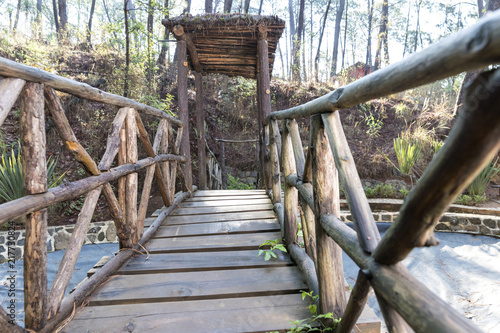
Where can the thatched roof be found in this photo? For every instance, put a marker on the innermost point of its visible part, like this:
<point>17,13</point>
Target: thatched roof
<point>226,43</point>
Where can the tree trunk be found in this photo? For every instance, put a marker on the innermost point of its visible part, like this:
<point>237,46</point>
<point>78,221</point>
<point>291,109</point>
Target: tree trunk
<point>18,9</point>
<point>164,47</point>
<point>407,27</point>
<point>247,6</point>
<point>227,6</point>
<point>63,20</point>
<point>38,19</point>
<point>150,44</point>
<point>345,33</point>
<point>382,36</point>
<point>297,42</point>
<point>187,8</point>
<point>89,29</point>
<point>492,5</point>
<point>316,59</point>
<point>480,8</point>
<point>127,49</point>
<point>417,28</point>
<point>260,6</point>
<point>368,62</point>
<point>338,20</point>
<point>208,6</point>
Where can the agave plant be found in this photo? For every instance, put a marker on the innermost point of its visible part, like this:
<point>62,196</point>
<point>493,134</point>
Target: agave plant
<point>11,175</point>
<point>407,153</point>
<point>480,184</point>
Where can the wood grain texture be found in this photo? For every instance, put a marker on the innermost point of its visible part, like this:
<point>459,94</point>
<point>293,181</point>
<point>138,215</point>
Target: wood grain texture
<point>229,198</point>
<point>12,69</point>
<point>35,182</point>
<point>115,140</point>
<point>211,243</point>
<point>201,261</point>
<point>200,128</point>
<point>222,202</point>
<point>131,180</point>
<point>291,196</point>
<point>222,193</point>
<point>10,88</point>
<point>251,314</point>
<point>223,209</point>
<point>171,287</point>
<point>221,228</point>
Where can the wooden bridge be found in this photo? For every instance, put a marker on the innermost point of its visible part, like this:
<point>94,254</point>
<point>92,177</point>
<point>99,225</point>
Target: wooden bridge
<point>203,264</point>
<point>194,260</point>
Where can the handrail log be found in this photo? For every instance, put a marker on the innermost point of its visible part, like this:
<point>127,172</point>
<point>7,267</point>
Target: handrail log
<point>10,88</point>
<point>399,288</point>
<point>29,204</point>
<point>8,324</point>
<point>306,266</point>
<point>11,68</point>
<point>471,48</point>
<point>86,288</point>
<point>358,203</point>
<point>470,146</point>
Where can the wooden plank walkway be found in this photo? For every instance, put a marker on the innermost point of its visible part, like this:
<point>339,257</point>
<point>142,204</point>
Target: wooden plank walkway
<point>203,275</point>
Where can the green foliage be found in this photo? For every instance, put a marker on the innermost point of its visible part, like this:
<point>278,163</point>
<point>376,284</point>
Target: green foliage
<point>403,111</point>
<point>273,245</point>
<point>11,174</point>
<point>482,181</point>
<point>234,183</point>
<point>374,125</point>
<point>407,153</point>
<point>464,199</point>
<point>385,191</point>
<point>315,322</point>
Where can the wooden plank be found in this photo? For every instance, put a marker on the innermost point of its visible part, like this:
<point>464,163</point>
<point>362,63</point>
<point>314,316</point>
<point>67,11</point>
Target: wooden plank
<point>265,214</point>
<point>219,210</point>
<point>229,197</point>
<point>216,193</point>
<point>210,243</point>
<point>146,288</point>
<point>220,203</point>
<point>201,261</point>
<point>222,228</point>
<point>250,314</point>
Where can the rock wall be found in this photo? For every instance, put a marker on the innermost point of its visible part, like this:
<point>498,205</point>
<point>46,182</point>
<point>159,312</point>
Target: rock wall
<point>58,238</point>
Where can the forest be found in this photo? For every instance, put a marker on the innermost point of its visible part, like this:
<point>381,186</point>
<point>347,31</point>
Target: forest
<point>122,47</point>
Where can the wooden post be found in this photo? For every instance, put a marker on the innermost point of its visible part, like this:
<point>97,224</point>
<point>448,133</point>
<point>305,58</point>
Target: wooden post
<point>223,165</point>
<point>326,201</point>
<point>35,182</point>
<point>291,195</point>
<point>182,97</point>
<point>263,96</point>
<point>275,165</point>
<point>10,88</point>
<point>131,180</point>
<point>200,128</point>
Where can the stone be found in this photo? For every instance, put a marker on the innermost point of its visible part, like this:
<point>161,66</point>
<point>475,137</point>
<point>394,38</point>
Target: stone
<point>474,220</point>
<point>93,230</point>
<point>50,246</point>
<point>348,218</point>
<point>490,223</point>
<point>111,232</point>
<point>447,218</point>
<point>484,230</point>
<point>386,217</point>
<point>18,252</point>
<point>376,217</point>
<point>471,228</point>
<point>2,239</point>
<point>61,240</point>
<point>20,242</point>
<point>2,249</point>
<point>50,231</point>
<point>495,232</point>
<point>454,227</point>
<point>101,236</point>
<point>70,230</point>
<point>441,226</point>
<point>91,238</point>
<point>59,229</point>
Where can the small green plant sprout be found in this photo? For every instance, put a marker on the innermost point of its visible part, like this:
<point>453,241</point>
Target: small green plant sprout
<point>273,245</point>
<point>315,322</point>
<point>374,125</point>
<point>482,181</point>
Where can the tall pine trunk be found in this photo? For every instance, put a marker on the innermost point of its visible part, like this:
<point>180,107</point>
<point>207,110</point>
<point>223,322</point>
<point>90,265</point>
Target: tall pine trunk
<point>63,20</point>
<point>127,49</point>
<point>89,27</point>
<point>164,46</point>
<point>382,49</point>
<point>338,20</point>
<point>297,42</point>
<point>318,52</point>
<point>368,63</point>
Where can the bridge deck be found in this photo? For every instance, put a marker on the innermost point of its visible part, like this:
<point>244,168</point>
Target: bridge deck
<point>203,275</point>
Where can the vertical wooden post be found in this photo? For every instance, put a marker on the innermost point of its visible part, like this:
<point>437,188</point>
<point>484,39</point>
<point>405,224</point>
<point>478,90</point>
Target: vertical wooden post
<point>326,201</point>
<point>163,140</point>
<point>291,195</point>
<point>223,165</point>
<point>275,164</point>
<point>122,159</point>
<point>131,182</point>
<point>200,128</point>
<point>182,97</point>
<point>263,95</point>
<point>35,181</point>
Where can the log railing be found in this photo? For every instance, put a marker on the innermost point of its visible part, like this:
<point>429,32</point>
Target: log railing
<point>214,171</point>
<point>45,309</point>
<point>313,183</point>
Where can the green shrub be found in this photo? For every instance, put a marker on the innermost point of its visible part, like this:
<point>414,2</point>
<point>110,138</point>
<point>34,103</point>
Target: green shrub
<point>482,181</point>
<point>234,183</point>
<point>464,199</point>
<point>407,153</point>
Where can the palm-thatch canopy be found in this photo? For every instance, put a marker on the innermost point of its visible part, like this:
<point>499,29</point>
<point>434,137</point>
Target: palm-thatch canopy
<point>226,43</point>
